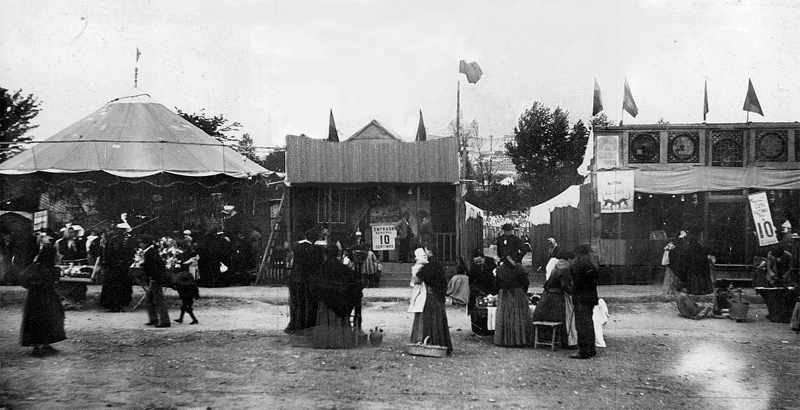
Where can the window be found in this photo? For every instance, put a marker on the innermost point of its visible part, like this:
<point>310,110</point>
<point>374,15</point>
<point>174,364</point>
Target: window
<point>644,148</point>
<point>771,146</point>
<point>684,147</point>
<point>331,206</point>
<point>726,149</point>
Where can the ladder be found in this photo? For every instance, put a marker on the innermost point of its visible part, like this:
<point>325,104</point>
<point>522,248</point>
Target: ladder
<point>266,260</point>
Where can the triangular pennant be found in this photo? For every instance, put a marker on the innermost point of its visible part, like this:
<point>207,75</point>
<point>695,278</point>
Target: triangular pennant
<point>627,103</point>
<point>597,102</point>
<point>751,103</point>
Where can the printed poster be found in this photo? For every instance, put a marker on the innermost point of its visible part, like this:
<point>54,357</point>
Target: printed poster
<point>383,237</point>
<point>607,151</point>
<point>615,191</point>
<point>762,217</point>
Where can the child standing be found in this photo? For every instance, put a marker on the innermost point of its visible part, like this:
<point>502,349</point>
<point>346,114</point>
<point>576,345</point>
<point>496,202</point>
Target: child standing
<point>188,292</point>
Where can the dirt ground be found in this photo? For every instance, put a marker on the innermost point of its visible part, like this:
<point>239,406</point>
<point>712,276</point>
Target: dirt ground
<point>238,358</point>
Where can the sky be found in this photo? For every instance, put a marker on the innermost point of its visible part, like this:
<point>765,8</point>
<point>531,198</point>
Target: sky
<point>278,66</point>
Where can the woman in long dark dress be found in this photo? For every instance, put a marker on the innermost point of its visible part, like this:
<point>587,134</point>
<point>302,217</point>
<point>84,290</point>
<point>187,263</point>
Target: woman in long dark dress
<point>698,271</point>
<point>42,315</point>
<point>432,322</point>
<point>552,306</point>
<point>116,257</point>
<point>513,315</point>
<point>337,289</point>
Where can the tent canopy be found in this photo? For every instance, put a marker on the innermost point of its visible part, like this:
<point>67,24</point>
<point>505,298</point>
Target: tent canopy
<point>133,137</point>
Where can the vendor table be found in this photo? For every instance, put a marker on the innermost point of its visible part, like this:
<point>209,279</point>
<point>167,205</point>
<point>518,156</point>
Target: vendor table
<point>76,273</point>
<point>491,314</point>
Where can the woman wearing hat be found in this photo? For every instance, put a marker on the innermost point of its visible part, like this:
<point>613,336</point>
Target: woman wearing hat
<point>42,314</point>
<point>432,321</point>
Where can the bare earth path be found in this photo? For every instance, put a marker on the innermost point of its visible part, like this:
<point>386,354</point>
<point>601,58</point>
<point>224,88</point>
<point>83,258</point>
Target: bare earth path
<point>238,358</point>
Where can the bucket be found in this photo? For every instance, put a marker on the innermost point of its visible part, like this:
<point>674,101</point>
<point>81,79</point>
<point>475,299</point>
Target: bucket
<point>738,310</point>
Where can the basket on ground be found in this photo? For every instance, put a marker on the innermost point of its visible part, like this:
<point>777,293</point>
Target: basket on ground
<point>425,349</point>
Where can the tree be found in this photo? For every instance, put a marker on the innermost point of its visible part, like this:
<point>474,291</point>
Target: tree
<point>468,133</point>
<point>216,126</point>
<point>16,113</point>
<point>545,152</point>
<point>601,120</point>
<point>502,199</point>
<point>275,161</point>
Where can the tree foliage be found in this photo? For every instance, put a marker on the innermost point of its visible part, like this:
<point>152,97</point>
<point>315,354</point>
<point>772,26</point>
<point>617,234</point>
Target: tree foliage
<point>16,113</point>
<point>217,126</point>
<point>275,161</point>
<point>546,152</point>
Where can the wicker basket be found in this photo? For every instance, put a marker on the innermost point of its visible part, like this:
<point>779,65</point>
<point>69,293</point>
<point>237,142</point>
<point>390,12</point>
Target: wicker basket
<point>425,350</point>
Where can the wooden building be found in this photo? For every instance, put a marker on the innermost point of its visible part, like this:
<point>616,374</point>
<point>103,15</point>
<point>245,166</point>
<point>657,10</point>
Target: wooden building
<point>694,177</point>
<point>363,187</point>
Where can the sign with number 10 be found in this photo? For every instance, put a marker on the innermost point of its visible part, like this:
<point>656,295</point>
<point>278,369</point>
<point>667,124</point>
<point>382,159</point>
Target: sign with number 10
<point>383,237</point>
<point>765,230</point>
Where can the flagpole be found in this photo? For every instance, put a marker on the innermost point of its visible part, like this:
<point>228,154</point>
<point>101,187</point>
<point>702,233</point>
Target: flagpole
<point>458,127</point>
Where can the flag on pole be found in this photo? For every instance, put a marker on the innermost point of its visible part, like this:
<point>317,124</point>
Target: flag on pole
<point>333,135</point>
<point>138,54</point>
<point>751,101</point>
<point>422,135</point>
<point>588,155</point>
<point>597,103</point>
<point>705,100</point>
<point>627,103</point>
<point>471,70</point>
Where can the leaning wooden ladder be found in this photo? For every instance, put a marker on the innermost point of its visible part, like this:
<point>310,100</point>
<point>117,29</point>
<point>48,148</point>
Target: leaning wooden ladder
<point>266,260</point>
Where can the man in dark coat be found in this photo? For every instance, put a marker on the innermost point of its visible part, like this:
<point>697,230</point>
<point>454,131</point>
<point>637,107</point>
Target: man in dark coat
<point>306,261</point>
<point>156,272</point>
<point>508,242</point>
<point>584,299</point>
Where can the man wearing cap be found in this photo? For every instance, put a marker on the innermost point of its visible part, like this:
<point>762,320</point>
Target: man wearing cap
<point>508,242</point>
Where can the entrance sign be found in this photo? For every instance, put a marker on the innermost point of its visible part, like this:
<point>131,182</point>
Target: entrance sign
<point>765,230</point>
<point>615,191</point>
<point>383,237</point>
<point>607,151</point>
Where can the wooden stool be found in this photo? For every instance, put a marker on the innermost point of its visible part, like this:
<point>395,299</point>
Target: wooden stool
<point>555,334</point>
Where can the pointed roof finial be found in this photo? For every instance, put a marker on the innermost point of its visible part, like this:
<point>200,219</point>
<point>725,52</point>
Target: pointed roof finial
<point>421,134</point>
<point>333,135</point>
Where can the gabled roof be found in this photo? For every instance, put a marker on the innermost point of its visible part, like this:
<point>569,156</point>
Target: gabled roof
<point>133,137</point>
<point>374,131</point>
<point>371,161</point>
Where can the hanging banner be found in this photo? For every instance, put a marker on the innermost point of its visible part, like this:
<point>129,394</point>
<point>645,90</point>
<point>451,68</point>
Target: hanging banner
<point>765,230</point>
<point>615,191</point>
<point>383,237</point>
<point>607,151</point>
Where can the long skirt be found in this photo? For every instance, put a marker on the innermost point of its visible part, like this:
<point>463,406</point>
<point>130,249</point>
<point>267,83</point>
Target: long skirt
<point>552,307</point>
<point>117,289</point>
<point>432,323</point>
<point>670,282</point>
<point>569,309</point>
<point>332,331</point>
<point>795,323</point>
<point>585,327</point>
<point>42,317</point>
<point>513,318</point>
